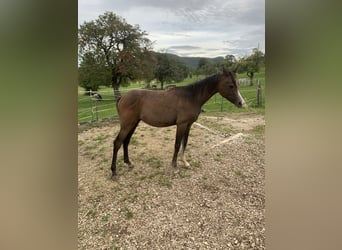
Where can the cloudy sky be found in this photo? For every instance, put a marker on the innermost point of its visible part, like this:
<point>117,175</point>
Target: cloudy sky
<point>204,28</point>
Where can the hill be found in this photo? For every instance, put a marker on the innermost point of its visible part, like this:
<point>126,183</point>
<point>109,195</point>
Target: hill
<point>192,62</point>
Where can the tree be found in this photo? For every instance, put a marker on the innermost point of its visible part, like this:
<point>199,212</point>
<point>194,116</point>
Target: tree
<point>92,74</point>
<point>149,65</point>
<point>117,47</point>
<point>202,62</point>
<point>208,67</point>
<point>169,69</point>
<point>229,61</point>
<point>163,72</point>
<point>252,63</point>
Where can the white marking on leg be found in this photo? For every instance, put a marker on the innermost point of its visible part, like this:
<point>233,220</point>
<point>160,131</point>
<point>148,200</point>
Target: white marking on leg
<point>187,164</point>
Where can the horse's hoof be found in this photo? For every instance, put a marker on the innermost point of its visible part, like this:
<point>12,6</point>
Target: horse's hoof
<point>169,171</point>
<point>130,164</point>
<point>115,178</point>
<point>176,171</point>
<point>172,170</point>
<point>187,165</point>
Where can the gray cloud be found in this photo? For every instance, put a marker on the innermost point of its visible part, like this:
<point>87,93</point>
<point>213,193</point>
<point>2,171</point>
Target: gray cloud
<point>162,4</point>
<point>193,26</point>
<point>187,47</point>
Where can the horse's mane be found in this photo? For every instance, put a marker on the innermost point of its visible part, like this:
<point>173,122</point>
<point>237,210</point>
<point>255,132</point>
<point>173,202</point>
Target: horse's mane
<point>201,85</point>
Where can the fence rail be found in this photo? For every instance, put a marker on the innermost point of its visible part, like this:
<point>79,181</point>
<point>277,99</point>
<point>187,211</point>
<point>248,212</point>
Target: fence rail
<point>91,108</point>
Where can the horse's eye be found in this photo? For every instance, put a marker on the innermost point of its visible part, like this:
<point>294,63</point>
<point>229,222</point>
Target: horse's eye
<point>231,86</point>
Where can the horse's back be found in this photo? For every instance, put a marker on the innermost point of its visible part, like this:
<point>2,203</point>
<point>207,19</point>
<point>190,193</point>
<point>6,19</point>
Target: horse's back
<point>156,108</point>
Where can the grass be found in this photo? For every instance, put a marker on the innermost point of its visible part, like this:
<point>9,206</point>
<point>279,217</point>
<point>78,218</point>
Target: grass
<point>134,141</point>
<point>105,217</point>
<point>154,162</point>
<point>240,174</point>
<point>216,104</point>
<point>195,164</point>
<point>114,246</point>
<point>217,158</point>
<point>90,213</point>
<point>143,177</point>
<point>184,175</point>
<point>167,183</point>
<point>128,213</point>
<point>131,198</point>
<point>259,131</point>
<point>100,138</point>
<point>90,147</point>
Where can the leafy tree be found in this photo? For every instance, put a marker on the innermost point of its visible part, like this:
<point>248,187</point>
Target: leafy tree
<point>208,68</point>
<point>92,74</point>
<point>163,72</point>
<point>229,61</point>
<point>202,62</point>
<point>179,69</point>
<point>169,69</point>
<point>149,65</point>
<point>252,63</point>
<point>117,47</point>
<point>211,68</point>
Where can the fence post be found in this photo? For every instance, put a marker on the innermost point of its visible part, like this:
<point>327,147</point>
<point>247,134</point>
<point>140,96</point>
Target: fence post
<point>91,105</point>
<point>259,100</point>
<point>96,110</point>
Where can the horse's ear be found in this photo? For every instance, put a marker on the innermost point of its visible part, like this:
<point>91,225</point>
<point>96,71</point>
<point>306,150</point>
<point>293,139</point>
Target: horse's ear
<point>236,69</point>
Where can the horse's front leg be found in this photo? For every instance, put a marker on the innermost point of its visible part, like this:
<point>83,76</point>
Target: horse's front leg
<point>184,143</point>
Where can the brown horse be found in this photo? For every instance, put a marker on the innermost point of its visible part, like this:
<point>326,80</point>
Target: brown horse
<point>179,106</point>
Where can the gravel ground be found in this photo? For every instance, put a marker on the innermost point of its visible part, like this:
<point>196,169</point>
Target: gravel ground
<point>217,203</point>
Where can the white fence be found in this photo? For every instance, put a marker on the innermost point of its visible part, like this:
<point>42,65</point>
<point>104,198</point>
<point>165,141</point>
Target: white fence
<point>244,81</point>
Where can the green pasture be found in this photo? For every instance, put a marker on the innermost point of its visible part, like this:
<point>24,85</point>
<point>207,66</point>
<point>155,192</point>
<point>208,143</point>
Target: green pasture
<point>106,107</point>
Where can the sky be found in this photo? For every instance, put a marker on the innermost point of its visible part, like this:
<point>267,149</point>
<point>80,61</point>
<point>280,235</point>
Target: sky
<point>192,28</point>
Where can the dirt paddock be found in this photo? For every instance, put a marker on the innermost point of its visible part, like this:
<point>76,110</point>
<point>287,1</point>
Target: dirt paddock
<point>217,203</point>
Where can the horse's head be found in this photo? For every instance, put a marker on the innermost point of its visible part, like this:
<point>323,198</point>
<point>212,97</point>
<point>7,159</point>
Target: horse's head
<point>228,87</point>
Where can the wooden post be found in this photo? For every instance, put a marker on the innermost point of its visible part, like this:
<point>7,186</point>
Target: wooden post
<point>97,111</point>
<point>91,105</point>
<point>259,100</point>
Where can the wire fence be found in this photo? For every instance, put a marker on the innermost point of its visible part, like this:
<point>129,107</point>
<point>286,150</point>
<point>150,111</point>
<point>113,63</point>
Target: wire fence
<point>92,104</point>
<point>95,105</point>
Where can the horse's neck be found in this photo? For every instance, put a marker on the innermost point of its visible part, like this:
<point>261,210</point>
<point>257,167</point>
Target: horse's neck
<point>207,92</point>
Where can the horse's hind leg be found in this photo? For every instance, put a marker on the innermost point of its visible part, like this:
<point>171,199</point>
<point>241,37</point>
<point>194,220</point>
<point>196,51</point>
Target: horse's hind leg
<point>126,142</point>
<point>116,146</point>
<point>124,131</point>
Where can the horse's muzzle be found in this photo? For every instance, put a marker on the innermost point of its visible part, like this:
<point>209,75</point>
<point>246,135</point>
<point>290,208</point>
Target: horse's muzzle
<point>240,102</point>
